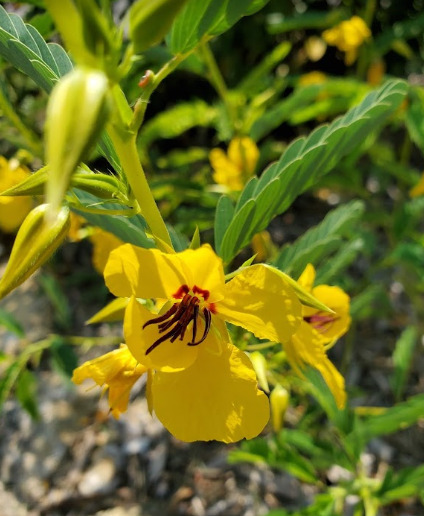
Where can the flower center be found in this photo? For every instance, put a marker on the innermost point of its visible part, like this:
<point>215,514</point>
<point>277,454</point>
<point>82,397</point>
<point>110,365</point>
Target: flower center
<point>321,321</point>
<point>174,322</point>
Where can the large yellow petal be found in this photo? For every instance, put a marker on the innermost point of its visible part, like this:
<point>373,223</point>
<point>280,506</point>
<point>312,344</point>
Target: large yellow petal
<point>117,371</point>
<point>215,399</point>
<point>260,300</point>
<point>167,356</point>
<point>146,273</point>
<point>307,347</point>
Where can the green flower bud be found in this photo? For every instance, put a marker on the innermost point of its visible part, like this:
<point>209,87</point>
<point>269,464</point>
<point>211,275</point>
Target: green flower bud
<point>279,401</point>
<point>35,242</point>
<point>150,20</point>
<point>76,114</point>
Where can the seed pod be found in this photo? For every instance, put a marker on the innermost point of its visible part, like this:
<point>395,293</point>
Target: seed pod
<point>150,20</point>
<point>35,242</point>
<point>76,114</point>
<point>279,401</point>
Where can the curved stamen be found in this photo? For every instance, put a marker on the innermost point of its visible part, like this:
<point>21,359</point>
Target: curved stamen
<point>208,319</point>
<point>163,317</point>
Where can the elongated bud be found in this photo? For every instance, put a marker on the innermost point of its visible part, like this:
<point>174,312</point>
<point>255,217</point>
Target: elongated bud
<point>35,242</point>
<point>150,20</point>
<point>76,114</point>
<point>260,366</point>
<point>279,401</point>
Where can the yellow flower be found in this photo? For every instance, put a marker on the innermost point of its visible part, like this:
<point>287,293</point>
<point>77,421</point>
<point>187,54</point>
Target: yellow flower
<point>203,387</point>
<point>117,371</point>
<point>74,233</point>
<point>234,170</point>
<point>315,77</point>
<point>348,36</point>
<point>103,244</point>
<point>319,331</point>
<point>13,210</point>
<point>418,189</point>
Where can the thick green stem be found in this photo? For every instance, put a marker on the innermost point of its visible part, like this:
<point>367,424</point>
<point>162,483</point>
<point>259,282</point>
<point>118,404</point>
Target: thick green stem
<point>125,146</point>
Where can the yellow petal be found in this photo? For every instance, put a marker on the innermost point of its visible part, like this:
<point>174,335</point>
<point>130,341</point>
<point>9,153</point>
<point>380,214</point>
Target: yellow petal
<point>13,210</point>
<point>260,300</point>
<point>150,273</point>
<point>244,153</point>
<point>307,347</point>
<point>167,356</point>
<point>215,399</point>
<point>307,277</point>
<point>117,371</point>
<point>103,244</point>
<point>225,172</point>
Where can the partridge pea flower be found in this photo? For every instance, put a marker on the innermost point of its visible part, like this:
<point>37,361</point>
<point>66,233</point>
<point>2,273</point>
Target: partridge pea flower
<point>235,168</point>
<point>348,36</point>
<point>203,387</point>
<point>319,331</point>
<point>117,371</point>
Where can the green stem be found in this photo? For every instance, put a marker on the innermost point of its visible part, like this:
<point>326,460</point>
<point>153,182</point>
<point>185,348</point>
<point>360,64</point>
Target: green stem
<point>262,345</point>
<point>153,82</point>
<point>217,80</point>
<point>126,149</point>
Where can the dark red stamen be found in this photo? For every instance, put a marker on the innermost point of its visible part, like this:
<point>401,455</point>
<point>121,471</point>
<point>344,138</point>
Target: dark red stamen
<point>321,321</point>
<point>179,316</point>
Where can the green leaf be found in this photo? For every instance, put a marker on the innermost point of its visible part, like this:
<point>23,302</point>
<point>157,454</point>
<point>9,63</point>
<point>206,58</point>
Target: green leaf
<point>402,358</point>
<point>225,208</point>
<point>304,162</point>
<point>11,324</point>
<point>8,379</point>
<point>415,116</point>
<point>26,387</point>
<point>321,240</point>
<point>210,17</point>
<point>25,48</point>
<point>398,417</point>
<point>130,230</point>
<point>339,261</point>
<point>278,23</point>
<point>400,485</point>
<point>177,120</point>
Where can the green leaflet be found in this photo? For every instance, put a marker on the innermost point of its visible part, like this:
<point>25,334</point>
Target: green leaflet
<point>320,240</point>
<point>129,229</point>
<point>303,163</point>
<point>208,18</point>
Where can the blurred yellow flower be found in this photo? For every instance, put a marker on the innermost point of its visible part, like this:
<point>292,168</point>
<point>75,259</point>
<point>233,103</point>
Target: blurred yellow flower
<point>13,210</point>
<point>418,189</point>
<point>262,246</point>
<point>315,77</point>
<point>202,386</point>
<point>74,234</point>
<point>348,36</point>
<point>375,72</point>
<point>319,331</point>
<point>235,168</point>
<point>117,371</point>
